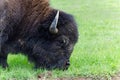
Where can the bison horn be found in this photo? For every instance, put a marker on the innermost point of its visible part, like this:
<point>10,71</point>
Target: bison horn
<point>53,27</point>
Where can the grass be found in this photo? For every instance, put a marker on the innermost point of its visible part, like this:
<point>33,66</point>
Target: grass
<point>97,52</point>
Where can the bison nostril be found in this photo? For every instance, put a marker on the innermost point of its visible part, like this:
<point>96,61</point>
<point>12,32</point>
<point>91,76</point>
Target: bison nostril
<point>67,63</point>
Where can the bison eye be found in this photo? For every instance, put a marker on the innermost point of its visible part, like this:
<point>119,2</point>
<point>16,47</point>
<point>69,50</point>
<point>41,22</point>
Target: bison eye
<point>63,42</point>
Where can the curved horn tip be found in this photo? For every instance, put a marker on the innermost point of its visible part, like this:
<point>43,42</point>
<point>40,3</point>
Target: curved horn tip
<point>58,13</point>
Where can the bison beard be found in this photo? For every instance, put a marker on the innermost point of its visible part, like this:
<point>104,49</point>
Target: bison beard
<point>42,33</point>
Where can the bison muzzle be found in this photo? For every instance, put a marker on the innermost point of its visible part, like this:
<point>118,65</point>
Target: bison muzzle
<point>45,35</point>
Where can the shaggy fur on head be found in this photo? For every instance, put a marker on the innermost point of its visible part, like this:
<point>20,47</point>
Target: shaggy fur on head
<point>24,27</point>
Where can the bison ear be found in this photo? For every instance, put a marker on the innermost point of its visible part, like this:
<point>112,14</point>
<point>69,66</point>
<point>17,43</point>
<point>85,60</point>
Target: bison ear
<point>53,27</point>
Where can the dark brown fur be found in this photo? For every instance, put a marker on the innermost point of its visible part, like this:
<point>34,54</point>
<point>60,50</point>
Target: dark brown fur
<point>24,26</point>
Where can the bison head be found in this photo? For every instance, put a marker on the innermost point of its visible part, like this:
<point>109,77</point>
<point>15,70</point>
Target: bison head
<point>55,41</point>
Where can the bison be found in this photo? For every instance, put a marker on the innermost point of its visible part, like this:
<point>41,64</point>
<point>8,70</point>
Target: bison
<point>45,35</point>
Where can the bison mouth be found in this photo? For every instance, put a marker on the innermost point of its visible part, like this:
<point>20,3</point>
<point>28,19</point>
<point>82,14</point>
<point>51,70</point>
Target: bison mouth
<point>59,66</point>
<point>50,65</point>
<point>63,64</point>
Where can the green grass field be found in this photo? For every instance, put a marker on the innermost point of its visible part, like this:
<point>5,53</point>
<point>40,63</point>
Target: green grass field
<point>97,52</point>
